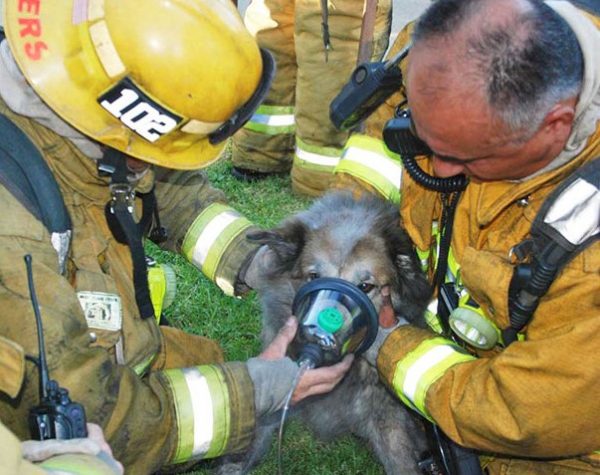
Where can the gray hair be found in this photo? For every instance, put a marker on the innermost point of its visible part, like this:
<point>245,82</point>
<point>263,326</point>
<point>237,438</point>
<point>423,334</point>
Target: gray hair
<point>528,63</point>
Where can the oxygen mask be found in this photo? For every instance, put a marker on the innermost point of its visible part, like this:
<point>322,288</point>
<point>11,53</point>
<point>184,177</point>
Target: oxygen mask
<point>335,318</point>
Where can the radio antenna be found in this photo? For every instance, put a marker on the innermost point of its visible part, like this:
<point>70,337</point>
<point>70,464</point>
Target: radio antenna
<point>43,366</point>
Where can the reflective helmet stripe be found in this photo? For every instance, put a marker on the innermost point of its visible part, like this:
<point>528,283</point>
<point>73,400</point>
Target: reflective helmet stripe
<point>422,367</point>
<point>209,236</point>
<point>368,159</point>
<point>201,399</point>
<point>105,48</point>
<point>272,120</point>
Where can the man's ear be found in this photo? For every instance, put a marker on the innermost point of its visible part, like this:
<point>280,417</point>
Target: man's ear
<point>558,123</point>
<point>285,244</point>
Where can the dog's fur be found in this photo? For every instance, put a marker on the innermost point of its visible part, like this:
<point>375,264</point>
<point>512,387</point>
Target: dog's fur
<point>361,241</point>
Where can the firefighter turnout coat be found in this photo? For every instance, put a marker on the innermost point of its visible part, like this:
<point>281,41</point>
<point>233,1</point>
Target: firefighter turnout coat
<point>162,396</point>
<point>534,406</point>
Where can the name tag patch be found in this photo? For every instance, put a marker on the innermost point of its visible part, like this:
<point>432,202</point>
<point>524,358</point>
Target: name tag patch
<point>102,311</point>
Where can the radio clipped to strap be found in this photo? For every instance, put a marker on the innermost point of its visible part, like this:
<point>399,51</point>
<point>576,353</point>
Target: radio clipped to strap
<point>567,223</point>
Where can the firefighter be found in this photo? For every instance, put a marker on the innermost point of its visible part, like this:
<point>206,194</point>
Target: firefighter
<point>506,94</point>
<point>122,103</point>
<point>315,44</point>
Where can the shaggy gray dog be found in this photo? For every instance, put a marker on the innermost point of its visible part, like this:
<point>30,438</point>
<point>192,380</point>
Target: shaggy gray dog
<point>361,241</point>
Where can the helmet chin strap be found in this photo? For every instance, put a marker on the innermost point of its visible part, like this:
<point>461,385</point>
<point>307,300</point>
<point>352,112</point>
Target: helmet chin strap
<point>119,216</point>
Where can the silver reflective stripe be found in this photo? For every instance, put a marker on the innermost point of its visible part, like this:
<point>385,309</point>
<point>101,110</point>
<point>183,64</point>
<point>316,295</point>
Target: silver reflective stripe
<point>415,373</point>
<point>575,213</point>
<point>202,407</point>
<point>274,120</point>
<point>210,234</point>
<point>316,158</point>
<point>201,402</point>
<point>386,167</point>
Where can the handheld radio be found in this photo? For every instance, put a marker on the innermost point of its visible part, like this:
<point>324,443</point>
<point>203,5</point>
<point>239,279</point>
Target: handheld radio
<point>369,86</point>
<point>56,416</point>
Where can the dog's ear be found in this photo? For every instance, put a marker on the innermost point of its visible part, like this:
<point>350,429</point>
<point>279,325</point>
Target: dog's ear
<point>285,242</point>
<point>413,291</point>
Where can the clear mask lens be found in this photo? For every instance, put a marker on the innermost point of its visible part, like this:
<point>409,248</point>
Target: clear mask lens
<point>335,318</point>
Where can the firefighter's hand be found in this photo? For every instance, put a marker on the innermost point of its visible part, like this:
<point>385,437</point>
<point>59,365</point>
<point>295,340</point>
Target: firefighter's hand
<point>94,446</point>
<point>314,381</point>
<point>274,374</point>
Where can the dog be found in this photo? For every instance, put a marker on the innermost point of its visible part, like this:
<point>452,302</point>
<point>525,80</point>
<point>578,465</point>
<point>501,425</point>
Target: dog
<point>361,241</point>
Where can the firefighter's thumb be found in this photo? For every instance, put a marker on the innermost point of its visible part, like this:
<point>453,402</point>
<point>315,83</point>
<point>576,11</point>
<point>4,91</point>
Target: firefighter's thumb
<point>278,347</point>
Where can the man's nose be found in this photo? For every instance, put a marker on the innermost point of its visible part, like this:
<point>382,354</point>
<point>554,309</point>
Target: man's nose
<point>445,169</point>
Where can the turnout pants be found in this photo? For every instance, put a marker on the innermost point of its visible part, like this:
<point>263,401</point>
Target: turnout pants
<point>291,131</point>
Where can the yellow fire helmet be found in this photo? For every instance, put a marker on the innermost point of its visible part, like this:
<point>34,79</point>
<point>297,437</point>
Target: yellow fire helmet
<point>165,81</point>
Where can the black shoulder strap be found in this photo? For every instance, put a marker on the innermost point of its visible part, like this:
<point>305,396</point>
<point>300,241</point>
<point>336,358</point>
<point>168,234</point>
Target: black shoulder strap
<point>567,223</point>
<point>27,176</point>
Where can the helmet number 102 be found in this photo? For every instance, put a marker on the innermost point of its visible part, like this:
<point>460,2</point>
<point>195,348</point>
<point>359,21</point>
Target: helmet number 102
<point>138,112</point>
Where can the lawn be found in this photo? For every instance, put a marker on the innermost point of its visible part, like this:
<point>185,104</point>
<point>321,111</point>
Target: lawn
<point>201,308</point>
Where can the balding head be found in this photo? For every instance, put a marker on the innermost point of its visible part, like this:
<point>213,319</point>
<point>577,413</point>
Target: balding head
<point>520,56</point>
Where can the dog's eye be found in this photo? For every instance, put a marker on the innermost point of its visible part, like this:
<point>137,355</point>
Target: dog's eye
<point>365,287</point>
<point>313,275</point>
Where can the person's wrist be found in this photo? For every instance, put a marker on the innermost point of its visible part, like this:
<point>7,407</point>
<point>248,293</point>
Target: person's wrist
<point>273,380</point>
<point>372,352</point>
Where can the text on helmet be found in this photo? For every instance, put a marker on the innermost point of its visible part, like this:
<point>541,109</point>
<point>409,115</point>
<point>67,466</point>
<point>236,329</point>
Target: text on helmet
<point>137,111</point>
<point>31,26</point>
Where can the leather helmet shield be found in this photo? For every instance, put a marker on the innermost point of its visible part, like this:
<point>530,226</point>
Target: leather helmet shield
<point>151,79</point>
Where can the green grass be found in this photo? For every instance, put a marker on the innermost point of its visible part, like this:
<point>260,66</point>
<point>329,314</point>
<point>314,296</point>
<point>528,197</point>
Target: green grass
<point>201,308</point>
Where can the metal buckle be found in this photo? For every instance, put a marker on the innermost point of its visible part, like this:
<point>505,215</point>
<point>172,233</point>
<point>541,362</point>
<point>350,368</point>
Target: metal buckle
<point>121,193</point>
<point>520,252</point>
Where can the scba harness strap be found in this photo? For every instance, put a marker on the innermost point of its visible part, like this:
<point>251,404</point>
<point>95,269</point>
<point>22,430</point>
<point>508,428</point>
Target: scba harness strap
<point>567,223</point>
<point>24,172</point>
<point>27,176</point>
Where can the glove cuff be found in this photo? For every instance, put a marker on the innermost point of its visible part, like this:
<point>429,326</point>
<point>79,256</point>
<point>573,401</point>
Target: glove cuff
<point>273,380</point>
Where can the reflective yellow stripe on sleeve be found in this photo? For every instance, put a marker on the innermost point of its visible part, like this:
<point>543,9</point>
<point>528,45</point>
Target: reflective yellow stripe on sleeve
<point>202,408</point>
<point>208,238</point>
<point>368,159</point>
<point>272,120</point>
<point>320,159</point>
<point>79,464</point>
<point>422,367</point>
